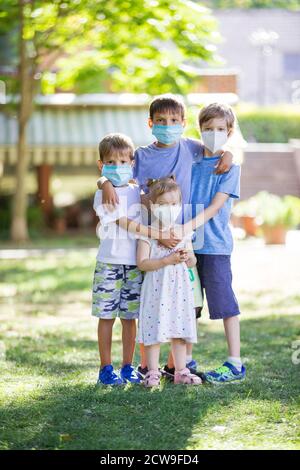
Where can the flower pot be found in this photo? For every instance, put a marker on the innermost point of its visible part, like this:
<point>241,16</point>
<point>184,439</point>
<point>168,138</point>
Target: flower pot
<point>274,235</point>
<point>249,225</point>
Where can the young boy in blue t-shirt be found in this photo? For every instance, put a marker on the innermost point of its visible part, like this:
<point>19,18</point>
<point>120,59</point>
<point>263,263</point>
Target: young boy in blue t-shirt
<point>213,244</point>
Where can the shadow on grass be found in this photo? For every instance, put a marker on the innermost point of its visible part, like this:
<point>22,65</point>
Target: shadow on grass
<point>82,416</point>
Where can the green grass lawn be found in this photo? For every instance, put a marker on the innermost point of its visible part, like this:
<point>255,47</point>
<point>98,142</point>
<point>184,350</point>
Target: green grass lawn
<point>49,239</point>
<point>49,365</point>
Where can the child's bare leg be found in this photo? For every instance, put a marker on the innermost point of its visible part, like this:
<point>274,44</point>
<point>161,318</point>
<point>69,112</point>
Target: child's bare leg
<point>143,358</point>
<point>170,362</point>
<point>128,339</point>
<point>179,353</point>
<point>232,331</point>
<point>152,355</point>
<point>104,340</point>
<point>189,352</point>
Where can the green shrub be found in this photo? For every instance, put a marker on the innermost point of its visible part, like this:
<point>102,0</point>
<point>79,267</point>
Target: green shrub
<point>35,219</point>
<point>270,124</point>
<point>274,124</point>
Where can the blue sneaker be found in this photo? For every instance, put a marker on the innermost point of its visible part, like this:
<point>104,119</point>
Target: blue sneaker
<point>129,374</point>
<point>225,374</point>
<point>107,376</point>
<point>192,366</point>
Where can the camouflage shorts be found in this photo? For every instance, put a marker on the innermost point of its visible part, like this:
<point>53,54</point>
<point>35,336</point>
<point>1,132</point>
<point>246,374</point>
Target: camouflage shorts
<point>116,291</point>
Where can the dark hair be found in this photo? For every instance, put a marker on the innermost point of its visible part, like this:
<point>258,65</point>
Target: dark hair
<point>118,142</point>
<point>217,110</point>
<point>162,186</point>
<point>166,103</point>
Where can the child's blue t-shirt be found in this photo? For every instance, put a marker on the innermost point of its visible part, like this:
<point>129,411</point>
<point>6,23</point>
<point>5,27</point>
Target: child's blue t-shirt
<point>215,238</point>
<point>159,162</point>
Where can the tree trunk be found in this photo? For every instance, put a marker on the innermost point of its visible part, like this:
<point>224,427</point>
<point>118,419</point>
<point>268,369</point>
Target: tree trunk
<point>19,229</point>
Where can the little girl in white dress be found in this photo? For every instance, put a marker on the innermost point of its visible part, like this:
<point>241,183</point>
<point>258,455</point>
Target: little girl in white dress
<point>167,304</point>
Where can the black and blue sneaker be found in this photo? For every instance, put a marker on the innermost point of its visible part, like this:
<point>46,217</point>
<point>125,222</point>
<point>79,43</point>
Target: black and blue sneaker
<point>192,365</point>
<point>169,372</point>
<point>129,374</point>
<point>225,374</point>
<point>142,371</point>
<point>107,376</point>
<point>193,368</point>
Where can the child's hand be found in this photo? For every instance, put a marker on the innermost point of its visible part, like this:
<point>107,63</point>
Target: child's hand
<point>225,163</point>
<point>169,239</point>
<point>191,261</point>
<point>180,256</point>
<point>109,196</point>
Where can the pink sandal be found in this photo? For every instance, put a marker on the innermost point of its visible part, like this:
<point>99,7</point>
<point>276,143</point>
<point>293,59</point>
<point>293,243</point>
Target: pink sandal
<point>184,376</point>
<point>152,378</point>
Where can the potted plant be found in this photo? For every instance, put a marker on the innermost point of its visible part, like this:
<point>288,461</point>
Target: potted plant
<point>277,215</point>
<point>246,212</point>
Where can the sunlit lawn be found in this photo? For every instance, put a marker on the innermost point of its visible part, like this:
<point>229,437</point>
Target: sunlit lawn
<point>49,365</point>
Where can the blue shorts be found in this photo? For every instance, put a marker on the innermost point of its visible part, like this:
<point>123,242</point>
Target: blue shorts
<point>216,279</point>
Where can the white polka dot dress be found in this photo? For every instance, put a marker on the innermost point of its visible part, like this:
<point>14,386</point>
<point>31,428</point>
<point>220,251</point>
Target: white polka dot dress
<point>167,302</point>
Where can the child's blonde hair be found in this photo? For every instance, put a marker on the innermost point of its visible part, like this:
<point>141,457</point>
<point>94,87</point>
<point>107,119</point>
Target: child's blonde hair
<point>217,110</point>
<point>162,186</point>
<point>115,142</point>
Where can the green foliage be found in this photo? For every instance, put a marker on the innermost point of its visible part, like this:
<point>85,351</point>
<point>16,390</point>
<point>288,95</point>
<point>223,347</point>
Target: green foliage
<point>245,4</point>
<point>135,46</point>
<point>269,124</point>
<point>258,124</point>
<point>5,217</point>
<point>35,219</point>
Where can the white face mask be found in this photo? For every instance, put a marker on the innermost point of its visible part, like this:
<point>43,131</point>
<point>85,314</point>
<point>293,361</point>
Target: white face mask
<point>167,214</point>
<point>214,140</point>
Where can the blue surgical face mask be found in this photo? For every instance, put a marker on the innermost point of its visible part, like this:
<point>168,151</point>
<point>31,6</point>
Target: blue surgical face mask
<point>167,134</point>
<point>118,175</point>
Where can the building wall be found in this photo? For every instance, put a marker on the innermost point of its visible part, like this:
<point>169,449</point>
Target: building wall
<point>223,83</point>
<point>282,67</point>
<point>271,167</point>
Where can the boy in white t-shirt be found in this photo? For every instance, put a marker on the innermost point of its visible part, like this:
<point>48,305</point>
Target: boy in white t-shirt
<point>117,280</point>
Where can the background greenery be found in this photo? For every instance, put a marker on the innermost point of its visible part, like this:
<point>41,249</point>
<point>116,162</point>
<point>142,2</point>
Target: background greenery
<point>272,124</point>
<point>86,46</point>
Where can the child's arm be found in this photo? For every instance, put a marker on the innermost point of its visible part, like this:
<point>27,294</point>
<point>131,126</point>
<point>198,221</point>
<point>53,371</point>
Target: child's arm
<point>192,260</point>
<point>144,262</point>
<point>208,213</point>
<point>109,195</point>
<point>145,200</point>
<point>225,163</point>
<point>168,238</point>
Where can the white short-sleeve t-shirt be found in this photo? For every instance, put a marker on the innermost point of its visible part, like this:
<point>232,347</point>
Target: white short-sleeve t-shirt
<point>117,246</point>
